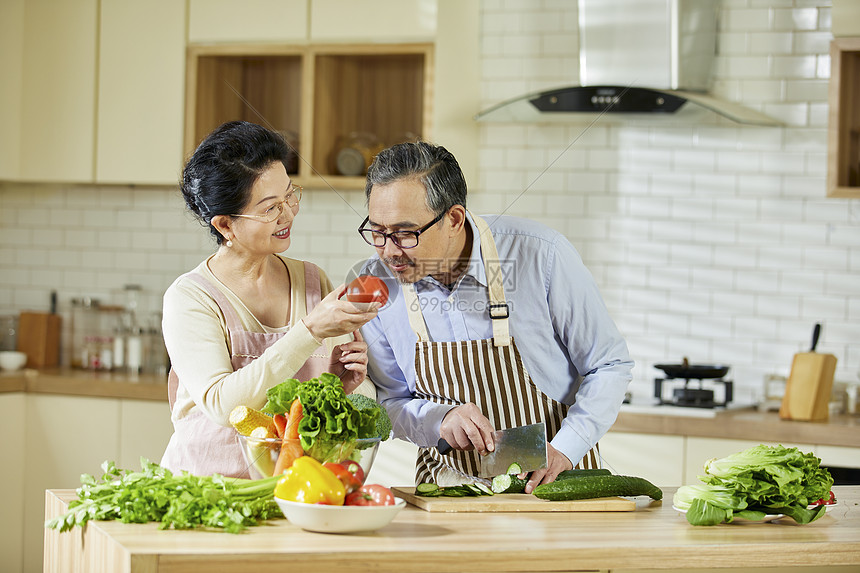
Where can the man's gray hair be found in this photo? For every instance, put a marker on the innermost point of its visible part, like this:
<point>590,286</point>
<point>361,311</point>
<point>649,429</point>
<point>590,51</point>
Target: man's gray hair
<point>433,165</point>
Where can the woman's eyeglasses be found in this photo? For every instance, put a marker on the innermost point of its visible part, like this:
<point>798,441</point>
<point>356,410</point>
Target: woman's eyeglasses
<point>274,212</point>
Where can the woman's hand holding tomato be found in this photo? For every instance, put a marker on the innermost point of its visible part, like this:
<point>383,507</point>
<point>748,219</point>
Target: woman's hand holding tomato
<point>332,317</point>
<point>367,288</point>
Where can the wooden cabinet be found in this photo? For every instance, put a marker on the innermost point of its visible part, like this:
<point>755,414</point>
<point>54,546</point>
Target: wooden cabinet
<point>247,21</point>
<point>370,20</point>
<point>58,90</point>
<point>50,440</point>
<point>94,90</point>
<point>843,153</point>
<point>140,95</point>
<point>12,478</point>
<point>659,459</point>
<point>318,96</point>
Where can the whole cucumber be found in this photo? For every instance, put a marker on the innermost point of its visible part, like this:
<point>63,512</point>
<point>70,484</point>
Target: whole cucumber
<point>588,487</point>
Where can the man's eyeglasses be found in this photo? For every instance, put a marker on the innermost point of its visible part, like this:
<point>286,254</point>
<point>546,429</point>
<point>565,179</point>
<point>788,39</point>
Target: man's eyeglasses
<point>403,239</point>
<point>274,212</point>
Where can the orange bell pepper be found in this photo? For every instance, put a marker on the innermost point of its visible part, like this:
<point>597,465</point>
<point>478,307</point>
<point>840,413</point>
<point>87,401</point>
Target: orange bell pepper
<point>308,481</point>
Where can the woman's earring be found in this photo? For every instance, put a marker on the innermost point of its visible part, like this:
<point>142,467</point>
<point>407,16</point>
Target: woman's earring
<point>229,243</point>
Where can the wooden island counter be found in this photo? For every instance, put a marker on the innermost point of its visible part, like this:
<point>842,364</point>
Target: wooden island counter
<point>654,536</point>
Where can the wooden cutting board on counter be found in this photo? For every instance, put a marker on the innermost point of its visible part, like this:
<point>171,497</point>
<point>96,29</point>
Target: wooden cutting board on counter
<point>509,502</point>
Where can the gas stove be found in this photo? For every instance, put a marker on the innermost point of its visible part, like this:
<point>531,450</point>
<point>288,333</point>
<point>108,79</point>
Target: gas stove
<point>693,393</point>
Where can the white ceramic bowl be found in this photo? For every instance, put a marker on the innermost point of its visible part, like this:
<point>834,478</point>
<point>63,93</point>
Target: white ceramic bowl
<point>262,454</point>
<point>11,360</point>
<point>339,518</point>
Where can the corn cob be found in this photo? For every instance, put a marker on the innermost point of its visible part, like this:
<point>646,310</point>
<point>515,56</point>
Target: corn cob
<point>245,419</point>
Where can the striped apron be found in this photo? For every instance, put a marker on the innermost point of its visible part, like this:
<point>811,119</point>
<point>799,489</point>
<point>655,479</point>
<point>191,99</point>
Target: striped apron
<point>489,373</point>
<point>199,445</point>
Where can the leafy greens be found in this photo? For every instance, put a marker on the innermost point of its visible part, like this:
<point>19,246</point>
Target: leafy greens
<point>762,480</point>
<point>330,424</point>
<point>180,501</point>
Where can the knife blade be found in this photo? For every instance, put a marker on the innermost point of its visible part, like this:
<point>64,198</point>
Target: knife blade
<point>525,445</point>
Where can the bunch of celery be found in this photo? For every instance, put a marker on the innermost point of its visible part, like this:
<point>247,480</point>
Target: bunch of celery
<point>180,501</point>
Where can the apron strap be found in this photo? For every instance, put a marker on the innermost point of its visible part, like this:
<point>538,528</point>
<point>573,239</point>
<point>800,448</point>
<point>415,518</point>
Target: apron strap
<point>413,311</point>
<point>313,290</point>
<point>233,322</point>
<point>499,310</point>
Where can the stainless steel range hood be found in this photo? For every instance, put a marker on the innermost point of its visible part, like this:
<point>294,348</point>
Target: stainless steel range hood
<point>639,60</point>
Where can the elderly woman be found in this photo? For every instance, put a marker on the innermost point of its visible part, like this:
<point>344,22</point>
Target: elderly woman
<point>247,318</point>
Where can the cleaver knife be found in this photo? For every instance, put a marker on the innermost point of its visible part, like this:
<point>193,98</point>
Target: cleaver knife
<point>525,445</point>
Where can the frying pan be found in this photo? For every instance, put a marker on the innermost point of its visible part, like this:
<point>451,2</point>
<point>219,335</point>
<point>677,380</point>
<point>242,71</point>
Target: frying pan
<point>693,371</point>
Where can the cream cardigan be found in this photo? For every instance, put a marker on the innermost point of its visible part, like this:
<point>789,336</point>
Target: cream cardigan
<point>195,334</point>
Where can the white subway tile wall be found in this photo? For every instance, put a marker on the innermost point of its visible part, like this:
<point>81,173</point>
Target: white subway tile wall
<point>714,242</point>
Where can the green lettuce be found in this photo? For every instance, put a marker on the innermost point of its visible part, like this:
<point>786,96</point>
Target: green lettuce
<point>330,424</point>
<point>762,480</point>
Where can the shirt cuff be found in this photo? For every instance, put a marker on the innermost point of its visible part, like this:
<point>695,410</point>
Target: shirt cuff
<point>568,442</point>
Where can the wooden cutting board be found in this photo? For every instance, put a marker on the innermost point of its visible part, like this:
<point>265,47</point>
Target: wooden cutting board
<point>510,502</point>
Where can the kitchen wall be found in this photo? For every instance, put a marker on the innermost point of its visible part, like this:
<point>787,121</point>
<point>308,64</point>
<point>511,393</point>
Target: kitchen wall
<point>714,242</point>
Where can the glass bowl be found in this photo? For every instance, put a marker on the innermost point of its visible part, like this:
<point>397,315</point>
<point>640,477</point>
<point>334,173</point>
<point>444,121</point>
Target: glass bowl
<point>261,454</point>
<point>339,518</point>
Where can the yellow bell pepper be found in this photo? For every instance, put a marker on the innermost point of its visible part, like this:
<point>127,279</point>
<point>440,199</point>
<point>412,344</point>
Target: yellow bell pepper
<point>307,481</point>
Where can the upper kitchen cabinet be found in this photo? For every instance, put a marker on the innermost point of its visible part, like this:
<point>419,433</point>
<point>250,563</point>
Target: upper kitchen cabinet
<point>336,104</point>
<point>373,20</point>
<point>140,95</point>
<point>11,70</point>
<point>58,90</point>
<point>843,153</point>
<point>216,21</point>
<point>94,90</point>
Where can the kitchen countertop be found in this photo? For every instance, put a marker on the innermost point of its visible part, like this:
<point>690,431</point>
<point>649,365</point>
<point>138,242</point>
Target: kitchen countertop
<point>654,535</point>
<point>71,382</point>
<point>745,424</point>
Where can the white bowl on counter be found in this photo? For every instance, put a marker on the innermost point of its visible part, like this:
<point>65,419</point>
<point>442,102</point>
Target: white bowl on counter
<point>11,360</point>
<point>339,518</point>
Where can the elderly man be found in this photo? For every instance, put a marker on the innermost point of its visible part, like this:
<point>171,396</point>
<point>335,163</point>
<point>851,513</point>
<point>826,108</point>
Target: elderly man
<point>499,324</point>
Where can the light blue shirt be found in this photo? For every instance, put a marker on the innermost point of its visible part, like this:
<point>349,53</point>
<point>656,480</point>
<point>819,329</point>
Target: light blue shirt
<point>569,345</point>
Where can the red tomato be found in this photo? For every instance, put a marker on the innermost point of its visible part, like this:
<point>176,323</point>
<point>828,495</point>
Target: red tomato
<point>830,500</point>
<point>367,288</point>
<point>355,469</point>
<point>370,494</point>
<point>349,480</point>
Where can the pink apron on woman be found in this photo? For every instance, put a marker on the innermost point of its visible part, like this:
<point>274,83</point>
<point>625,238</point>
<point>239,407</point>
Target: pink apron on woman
<point>199,445</point>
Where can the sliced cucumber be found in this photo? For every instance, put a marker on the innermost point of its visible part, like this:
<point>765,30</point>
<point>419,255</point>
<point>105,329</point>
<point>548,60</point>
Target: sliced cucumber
<point>514,468</point>
<point>508,483</point>
<point>426,488</point>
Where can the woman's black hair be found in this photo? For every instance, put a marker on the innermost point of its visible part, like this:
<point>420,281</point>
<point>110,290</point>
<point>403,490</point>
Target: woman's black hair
<point>218,178</point>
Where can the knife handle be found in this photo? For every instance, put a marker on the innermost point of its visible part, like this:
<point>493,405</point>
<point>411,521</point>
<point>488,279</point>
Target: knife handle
<point>443,446</point>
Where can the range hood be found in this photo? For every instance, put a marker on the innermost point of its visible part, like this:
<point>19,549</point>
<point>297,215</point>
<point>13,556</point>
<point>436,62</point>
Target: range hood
<point>638,60</point>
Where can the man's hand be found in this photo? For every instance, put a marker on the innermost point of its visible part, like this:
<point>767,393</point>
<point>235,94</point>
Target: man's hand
<point>556,462</point>
<point>466,428</point>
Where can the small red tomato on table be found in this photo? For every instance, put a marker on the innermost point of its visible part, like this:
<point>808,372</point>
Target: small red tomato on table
<point>370,494</point>
<point>350,480</point>
<point>366,289</point>
<point>826,500</point>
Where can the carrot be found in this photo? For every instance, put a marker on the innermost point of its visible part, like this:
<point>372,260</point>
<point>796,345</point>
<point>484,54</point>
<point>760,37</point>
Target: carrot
<point>280,424</point>
<point>293,419</point>
<point>291,446</point>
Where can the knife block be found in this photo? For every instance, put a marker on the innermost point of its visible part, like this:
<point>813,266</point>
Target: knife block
<point>807,392</point>
<point>39,338</point>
